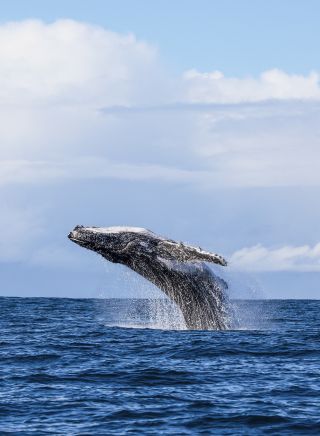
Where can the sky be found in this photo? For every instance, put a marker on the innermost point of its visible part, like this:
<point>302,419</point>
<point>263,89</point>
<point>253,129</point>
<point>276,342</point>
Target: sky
<point>197,120</point>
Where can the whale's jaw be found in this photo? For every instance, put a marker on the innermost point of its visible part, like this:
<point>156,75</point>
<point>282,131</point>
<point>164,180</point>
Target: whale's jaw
<point>177,269</point>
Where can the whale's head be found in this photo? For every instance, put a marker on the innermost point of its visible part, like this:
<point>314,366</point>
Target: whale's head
<point>113,243</point>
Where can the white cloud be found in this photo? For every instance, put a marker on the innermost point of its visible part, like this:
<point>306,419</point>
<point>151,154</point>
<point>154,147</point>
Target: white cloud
<point>70,62</point>
<point>214,87</point>
<point>287,258</point>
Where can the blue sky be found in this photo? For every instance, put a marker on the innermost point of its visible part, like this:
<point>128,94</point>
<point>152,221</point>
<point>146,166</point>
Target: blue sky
<point>198,120</point>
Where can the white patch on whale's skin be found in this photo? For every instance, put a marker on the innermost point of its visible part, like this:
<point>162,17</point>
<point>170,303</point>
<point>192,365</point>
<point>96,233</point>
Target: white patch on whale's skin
<point>120,229</point>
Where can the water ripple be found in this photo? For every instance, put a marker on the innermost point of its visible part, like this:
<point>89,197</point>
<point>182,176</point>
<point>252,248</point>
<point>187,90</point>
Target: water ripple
<point>66,367</point>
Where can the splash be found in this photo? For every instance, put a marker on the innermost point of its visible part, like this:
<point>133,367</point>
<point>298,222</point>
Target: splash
<point>160,314</point>
<point>147,307</point>
<point>248,308</point>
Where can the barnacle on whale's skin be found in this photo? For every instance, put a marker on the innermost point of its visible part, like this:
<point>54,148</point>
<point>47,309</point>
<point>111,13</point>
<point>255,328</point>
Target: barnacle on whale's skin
<point>178,269</point>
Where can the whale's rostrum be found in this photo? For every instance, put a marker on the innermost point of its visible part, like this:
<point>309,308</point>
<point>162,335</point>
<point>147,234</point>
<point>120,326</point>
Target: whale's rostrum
<point>179,270</point>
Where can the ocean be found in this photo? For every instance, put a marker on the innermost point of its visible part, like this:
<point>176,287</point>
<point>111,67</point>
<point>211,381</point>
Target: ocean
<point>118,367</point>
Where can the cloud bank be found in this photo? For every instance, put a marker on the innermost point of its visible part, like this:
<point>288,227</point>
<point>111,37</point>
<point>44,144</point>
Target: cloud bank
<point>303,258</point>
<point>58,80</point>
<point>272,84</point>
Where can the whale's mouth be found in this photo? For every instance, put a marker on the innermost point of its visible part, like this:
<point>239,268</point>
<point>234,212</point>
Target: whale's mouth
<point>72,237</point>
<point>74,234</point>
<point>76,239</point>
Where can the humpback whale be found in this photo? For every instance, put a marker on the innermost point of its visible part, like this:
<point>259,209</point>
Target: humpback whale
<point>179,270</point>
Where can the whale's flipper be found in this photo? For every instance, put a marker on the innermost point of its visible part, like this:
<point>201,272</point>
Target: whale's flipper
<point>179,270</point>
<point>187,253</point>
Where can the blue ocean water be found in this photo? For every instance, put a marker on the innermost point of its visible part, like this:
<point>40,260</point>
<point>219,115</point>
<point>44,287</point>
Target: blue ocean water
<point>66,368</point>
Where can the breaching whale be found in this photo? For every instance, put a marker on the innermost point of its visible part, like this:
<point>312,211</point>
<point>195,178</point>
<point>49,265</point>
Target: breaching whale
<point>179,270</point>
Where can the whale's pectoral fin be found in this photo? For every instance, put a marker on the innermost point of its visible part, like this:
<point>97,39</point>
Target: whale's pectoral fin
<point>186,253</point>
